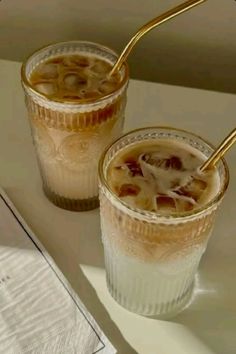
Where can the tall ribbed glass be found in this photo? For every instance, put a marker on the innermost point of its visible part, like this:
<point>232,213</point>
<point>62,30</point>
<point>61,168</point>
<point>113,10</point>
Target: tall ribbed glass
<point>69,137</point>
<point>151,259</point>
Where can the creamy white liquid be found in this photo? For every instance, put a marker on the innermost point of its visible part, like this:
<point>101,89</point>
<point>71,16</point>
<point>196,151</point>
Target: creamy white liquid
<point>149,288</point>
<point>69,161</point>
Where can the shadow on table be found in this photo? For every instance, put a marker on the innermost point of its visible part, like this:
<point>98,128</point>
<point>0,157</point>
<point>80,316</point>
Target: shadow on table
<point>212,327</point>
<point>212,313</point>
<point>90,299</point>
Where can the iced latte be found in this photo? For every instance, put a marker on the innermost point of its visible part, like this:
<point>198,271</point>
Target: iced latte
<point>157,212</point>
<point>75,110</point>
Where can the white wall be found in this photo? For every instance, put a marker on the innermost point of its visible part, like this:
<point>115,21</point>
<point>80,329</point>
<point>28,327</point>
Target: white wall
<point>196,49</point>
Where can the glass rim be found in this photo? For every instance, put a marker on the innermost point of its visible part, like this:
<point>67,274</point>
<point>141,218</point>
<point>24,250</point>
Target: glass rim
<point>152,215</point>
<point>85,101</point>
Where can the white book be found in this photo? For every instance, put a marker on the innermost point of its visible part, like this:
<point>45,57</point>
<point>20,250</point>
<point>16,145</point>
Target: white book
<point>39,311</point>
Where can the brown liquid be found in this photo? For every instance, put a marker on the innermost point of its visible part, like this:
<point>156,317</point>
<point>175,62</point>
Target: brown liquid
<point>161,176</point>
<point>74,77</point>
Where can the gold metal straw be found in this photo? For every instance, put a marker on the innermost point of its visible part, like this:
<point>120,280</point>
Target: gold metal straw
<point>220,151</point>
<point>149,26</point>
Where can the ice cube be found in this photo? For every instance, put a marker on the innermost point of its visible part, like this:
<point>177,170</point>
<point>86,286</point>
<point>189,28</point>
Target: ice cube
<point>67,61</point>
<point>172,162</point>
<point>107,86</point>
<point>199,184</point>
<point>196,187</point>
<point>47,71</point>
<point>133,166</point>
<point>129,189</point>
<point>75,82</point>
<point>184,205</point>
<point>183,197</point>
<point>175,163</point>
<point>90,94</point>
<point>81,61</point>
<point>101,67</point>
<point>76,60</point>
<point>56,60</point>
<point>165,202</point>
<point>47,88</point>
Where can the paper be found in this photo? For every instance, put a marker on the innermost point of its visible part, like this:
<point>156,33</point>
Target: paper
<point>39,311</point>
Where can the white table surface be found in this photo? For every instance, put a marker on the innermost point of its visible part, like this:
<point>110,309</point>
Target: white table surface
<point>208,325</point>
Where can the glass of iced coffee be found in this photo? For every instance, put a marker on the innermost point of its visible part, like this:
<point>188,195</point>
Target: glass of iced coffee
<point>157,214</point>
<point>75,109</point>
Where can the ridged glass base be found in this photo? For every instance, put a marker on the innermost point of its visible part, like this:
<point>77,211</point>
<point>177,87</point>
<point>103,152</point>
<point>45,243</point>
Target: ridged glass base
<point>161,311</point>
<point>72,204</point>
<point>146,288</point>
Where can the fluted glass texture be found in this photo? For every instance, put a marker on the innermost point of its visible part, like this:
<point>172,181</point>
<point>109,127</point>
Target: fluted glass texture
<point>69,137</point>
<point>151,259</point>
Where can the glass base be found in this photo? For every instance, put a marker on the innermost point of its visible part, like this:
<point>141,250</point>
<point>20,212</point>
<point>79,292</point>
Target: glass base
<point>71,204</point>
<point>152,289</point>
<point>161,311</point>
